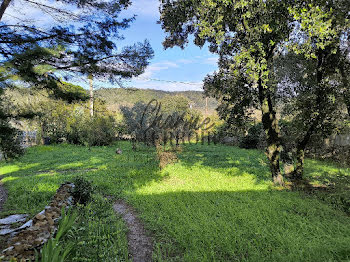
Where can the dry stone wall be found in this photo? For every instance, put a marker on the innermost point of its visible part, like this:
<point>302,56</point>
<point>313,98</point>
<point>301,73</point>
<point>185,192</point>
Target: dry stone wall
<point>31,236</point>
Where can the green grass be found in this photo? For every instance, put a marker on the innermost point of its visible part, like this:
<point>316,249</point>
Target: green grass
<point>336,180</point>
<point>216,204</point>
<point>98,234</point>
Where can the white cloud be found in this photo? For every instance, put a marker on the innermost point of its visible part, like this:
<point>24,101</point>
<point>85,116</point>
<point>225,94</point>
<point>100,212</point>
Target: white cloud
<point>165,86</point>
<point>212,60</point>
<point>156,67</point>
<point>186,61</point>
<point>149,8</point>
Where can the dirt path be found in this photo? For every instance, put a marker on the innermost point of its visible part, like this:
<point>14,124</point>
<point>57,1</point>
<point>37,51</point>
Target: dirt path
<point>3,195</point>
<point>140,245</point>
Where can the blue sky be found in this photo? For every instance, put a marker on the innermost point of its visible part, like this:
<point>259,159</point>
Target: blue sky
<point>189,65</point>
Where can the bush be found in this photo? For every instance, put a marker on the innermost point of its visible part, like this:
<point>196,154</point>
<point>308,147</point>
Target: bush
<point>82,190</point>
<point>74,124</point>
<point>10,141</point>
<point>254,138</point>
<point>154,124</point>
<point>100,131</point>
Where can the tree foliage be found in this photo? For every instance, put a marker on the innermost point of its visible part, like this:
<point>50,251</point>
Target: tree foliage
<point>86,42</point>
<point>246,35</point>
<point>313,67</point>
<point>250,37</point>
<point>80,37</point>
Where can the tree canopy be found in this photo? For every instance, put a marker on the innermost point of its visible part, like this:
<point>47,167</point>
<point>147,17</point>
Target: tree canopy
<point>249,37</point>
<point>82,37</point>
<point>246,35</point>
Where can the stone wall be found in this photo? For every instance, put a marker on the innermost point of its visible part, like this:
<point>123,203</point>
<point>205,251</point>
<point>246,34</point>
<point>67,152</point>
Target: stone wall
<point>24,240</point>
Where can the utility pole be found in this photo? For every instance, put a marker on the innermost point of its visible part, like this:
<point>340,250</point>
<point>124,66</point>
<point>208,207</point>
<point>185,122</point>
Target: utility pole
<point>91,95</point>
<point>206,110</point>
<point>206,107</point>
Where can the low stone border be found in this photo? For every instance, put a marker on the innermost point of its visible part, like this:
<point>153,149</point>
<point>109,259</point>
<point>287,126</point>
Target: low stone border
<point>36,232</point>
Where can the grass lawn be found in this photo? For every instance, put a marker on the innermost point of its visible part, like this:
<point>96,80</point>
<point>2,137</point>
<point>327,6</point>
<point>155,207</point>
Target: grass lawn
<point>216,204</point>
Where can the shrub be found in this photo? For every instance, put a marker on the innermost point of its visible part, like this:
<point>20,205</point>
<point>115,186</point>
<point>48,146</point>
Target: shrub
<point>82,190</point>
<point>100,131</point>
<point>154,124</point>
<point>10,141</point>
<point>74,123</point>
<point>254,137</point>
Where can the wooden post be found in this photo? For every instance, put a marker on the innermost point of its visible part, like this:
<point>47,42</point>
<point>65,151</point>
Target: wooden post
<point>206,110</point>
<point>206,106</point>
<point>91,95</point>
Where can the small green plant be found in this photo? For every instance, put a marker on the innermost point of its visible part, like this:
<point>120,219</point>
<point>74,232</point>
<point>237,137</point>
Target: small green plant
<point>52,251</point>
<point>98,235</point>
<point>82,190</point>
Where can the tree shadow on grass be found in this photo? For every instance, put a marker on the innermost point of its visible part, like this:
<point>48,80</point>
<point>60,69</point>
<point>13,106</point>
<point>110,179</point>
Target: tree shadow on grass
<point>244,226</point>
<point>33,179</point>
<point>333,188</point>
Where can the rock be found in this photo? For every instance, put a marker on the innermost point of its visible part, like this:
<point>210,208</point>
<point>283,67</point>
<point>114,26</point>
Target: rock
<point>8,250</point>
<point>118,151</point>
<point>229,140</point>
<point>50,221</point>
<point>13,219</point>
<point>40,216</point>
<point>6,231</point>
<point>28,224</point>
<point>18,247</point>
<point>70,200</point>
<point>41,223</point>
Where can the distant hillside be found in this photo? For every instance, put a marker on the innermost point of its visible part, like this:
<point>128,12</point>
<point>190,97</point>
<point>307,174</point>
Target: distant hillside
<point>116,97</point>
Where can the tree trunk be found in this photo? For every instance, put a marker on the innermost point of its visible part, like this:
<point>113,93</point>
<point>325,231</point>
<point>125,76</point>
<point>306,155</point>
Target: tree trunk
<point>346,88</point>
<point>299,168</point>
<point>301,146</point>
<point>300,157</point>
<point>270,125</point>
<point>3,7</point>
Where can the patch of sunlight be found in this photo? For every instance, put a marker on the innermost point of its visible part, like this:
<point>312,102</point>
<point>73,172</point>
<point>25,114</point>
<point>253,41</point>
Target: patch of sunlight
<point>95,160</point>
<point>102,167</point>
<point>71,165</point>
<point>234,171</point>
<point>150,193</point>
<point>9,169</point>
<point>262,162</point>
<point>44,187</point>
<point>50,173</point>
<point>317,168</point>
<point>44,148</point>
<point>9,178</point>
<point>195,179</point>
<point>14,168</point>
